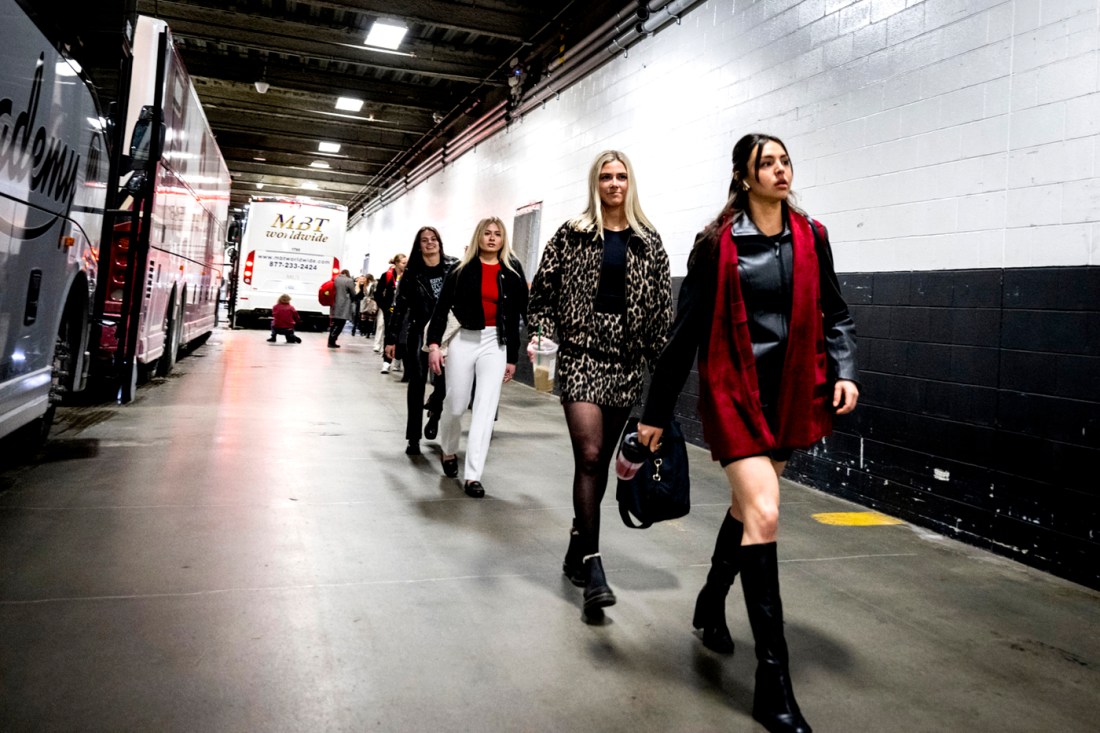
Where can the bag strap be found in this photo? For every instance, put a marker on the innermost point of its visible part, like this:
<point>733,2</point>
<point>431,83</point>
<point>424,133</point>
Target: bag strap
<point>628,519</point>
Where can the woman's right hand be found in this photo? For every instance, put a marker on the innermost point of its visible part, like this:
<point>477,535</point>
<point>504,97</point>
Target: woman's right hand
<point>435,359</point>
<point>650,436</point>
<point>533,345</point>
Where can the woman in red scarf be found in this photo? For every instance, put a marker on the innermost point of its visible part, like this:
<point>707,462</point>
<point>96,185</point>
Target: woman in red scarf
<point>762,307</point>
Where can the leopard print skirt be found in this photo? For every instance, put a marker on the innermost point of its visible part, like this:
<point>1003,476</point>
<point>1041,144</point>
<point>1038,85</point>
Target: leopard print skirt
<point>602,369</point>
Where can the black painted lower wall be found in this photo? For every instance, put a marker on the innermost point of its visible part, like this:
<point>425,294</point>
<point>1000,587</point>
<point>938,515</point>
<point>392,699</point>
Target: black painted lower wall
<point>980,411</point>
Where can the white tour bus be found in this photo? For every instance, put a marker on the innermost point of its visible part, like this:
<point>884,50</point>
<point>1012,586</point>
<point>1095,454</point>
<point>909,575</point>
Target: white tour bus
<point>185,187</point>
<point>290,246</point>
<point>53,183</point>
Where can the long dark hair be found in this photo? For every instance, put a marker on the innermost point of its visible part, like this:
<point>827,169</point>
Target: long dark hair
<point>743,162</point>
<point>416,257</point>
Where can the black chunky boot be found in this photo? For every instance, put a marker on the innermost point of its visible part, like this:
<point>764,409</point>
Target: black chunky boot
<point>597,593</point>
<point>710,606</point>
<point>573,565</point>
<point>773,703</point>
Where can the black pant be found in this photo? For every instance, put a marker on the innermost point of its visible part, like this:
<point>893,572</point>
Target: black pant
<point>385,330</point>
<point>335,329</point>
<point>288,332</point>
<point>416,370</point>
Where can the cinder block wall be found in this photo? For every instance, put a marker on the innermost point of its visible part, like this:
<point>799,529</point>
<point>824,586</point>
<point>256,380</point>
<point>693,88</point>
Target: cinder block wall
<point>951,147</point>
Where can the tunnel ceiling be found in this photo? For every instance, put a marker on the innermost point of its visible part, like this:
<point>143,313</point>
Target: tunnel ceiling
<point>452,65</point>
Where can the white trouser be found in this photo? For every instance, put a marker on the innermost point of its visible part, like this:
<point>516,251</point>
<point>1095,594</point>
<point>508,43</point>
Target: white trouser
<point>470,354</point>
<point>379,330</point>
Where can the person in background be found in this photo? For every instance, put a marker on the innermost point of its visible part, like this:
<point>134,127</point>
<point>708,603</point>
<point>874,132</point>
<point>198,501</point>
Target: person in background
<point>384,295</point>
<point>368,309</point>
<point>284,317</point>
<point>361,290</point>
<point>343,307</point>
<point>603,293</point>
<point>416,298</point>
<point>487,292</point>
<point>762,307</point>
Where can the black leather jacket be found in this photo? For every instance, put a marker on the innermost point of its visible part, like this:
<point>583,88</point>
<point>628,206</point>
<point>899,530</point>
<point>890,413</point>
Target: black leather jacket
<point>462,294</point>
<point>766,269</point>
<point>414,302</point>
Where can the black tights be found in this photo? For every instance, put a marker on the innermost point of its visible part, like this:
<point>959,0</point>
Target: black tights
<point>594,431</point>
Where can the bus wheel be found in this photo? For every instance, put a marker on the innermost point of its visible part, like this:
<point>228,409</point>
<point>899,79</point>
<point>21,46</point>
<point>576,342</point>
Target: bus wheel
<point>173,325</point>
<point>34,434</point>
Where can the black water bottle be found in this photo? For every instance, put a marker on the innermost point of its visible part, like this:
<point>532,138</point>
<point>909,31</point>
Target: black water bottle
<point>631,456</point>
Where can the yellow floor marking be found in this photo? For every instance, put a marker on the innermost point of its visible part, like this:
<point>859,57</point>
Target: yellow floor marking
<point>856,519</point>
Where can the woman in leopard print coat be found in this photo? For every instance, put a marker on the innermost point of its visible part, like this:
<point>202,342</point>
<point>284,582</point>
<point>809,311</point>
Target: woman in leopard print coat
<point>603,292</point>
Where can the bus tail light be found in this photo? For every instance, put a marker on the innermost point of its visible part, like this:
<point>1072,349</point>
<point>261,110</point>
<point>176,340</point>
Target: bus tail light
<point>116,268</point>
<point>247,275</point>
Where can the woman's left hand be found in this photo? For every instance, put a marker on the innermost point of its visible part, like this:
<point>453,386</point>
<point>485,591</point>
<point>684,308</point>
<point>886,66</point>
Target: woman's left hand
<point>845,396</point>
<point>509,372</point>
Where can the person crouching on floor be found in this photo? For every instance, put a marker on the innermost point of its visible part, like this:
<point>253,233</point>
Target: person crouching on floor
<point>284,317</point>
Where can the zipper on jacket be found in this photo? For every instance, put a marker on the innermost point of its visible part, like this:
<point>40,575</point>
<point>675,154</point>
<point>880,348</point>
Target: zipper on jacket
<point>784,289</point>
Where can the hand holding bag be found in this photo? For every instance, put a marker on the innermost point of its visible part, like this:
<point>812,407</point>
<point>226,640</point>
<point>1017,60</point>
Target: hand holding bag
<point>661,488</point>
<point>449,331</point>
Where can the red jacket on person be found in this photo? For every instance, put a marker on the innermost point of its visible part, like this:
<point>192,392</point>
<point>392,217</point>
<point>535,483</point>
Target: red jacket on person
<point>284,315</point>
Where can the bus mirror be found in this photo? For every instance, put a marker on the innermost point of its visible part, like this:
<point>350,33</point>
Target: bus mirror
<point>141,142</point>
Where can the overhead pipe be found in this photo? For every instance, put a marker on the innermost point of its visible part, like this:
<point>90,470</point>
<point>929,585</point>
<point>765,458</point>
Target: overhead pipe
<point>585,57</point>
<point>658,18</point>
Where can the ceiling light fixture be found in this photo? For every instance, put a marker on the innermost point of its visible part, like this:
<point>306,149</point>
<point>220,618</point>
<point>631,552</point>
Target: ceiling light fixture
<point>310,185</point>
<point>259,185</point>
<point>319,164</point>
<point>349,104</point>
<point>261,84</point>
<point>328,147</point>
<point>386,34</point>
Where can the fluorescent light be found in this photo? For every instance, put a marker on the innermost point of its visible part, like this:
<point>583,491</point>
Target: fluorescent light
<point>259,185</point>
<point>386,34</point>
<point>329,147</point>
<point>260,158</point>
<point>319,164</point>
<point>349,104</point>
<point>310,185</point>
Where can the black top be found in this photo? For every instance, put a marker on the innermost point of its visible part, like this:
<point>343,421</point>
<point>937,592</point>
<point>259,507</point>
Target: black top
<point>695,309</point>
<point>415,299</point>
<point>611,294</point>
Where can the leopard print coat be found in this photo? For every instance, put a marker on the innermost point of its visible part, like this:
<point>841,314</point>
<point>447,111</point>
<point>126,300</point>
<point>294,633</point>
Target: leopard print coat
<point>602,357</point>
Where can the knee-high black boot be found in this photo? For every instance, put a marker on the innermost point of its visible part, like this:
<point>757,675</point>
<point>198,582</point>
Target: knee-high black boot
<point>710,606</point>
<point>773,704</point>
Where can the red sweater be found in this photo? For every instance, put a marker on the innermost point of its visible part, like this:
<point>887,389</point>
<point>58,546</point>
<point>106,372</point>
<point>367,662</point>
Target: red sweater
<point>490,292</point>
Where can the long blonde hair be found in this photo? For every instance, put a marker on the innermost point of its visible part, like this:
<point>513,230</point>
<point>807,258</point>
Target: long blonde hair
<point>474,248</point>
<point>592,218</point>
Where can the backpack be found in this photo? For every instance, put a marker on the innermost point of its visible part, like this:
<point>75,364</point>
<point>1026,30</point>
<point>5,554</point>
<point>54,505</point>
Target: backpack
<point>326,294</point>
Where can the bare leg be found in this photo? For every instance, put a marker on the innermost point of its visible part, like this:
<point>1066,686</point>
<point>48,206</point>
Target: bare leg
<point>754,483</point>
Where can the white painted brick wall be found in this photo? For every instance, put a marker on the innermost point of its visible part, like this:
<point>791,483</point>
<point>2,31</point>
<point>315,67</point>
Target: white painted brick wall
<point>927,134</point>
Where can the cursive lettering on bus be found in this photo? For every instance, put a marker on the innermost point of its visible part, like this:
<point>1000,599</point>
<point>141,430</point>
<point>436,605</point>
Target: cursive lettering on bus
<point>304,224</point>
<point>29,154</point>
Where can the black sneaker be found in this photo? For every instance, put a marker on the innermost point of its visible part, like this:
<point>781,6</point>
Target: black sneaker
<point>413,448</point>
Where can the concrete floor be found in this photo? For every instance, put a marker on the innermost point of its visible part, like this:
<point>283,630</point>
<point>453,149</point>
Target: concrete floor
<point>247,548</point>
